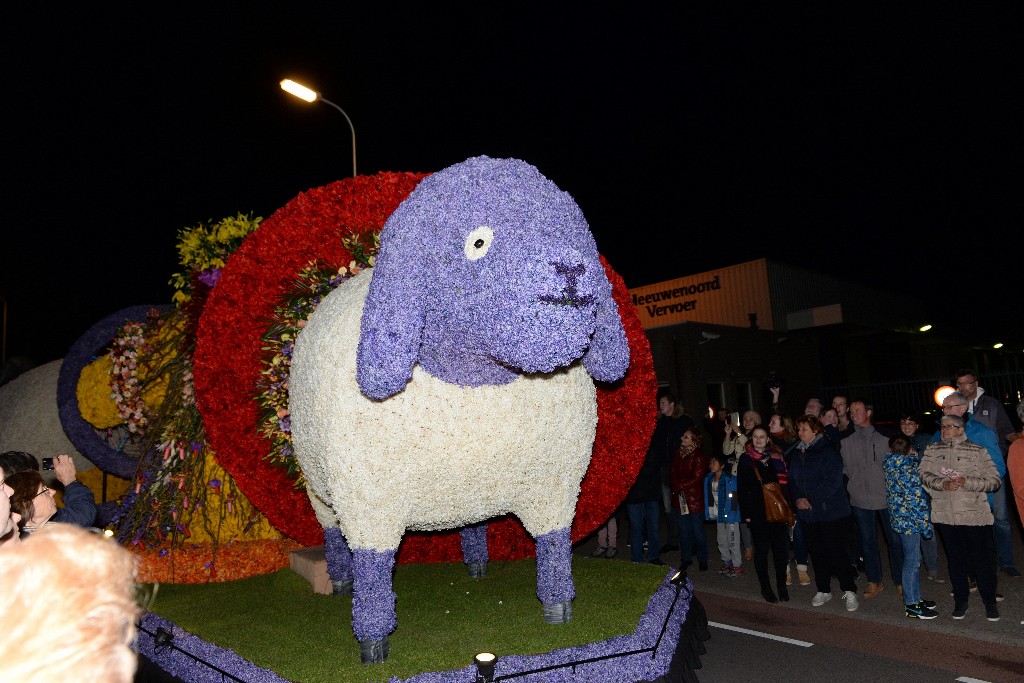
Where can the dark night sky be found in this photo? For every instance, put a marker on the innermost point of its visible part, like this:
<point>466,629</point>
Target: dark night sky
<point>880,145</point>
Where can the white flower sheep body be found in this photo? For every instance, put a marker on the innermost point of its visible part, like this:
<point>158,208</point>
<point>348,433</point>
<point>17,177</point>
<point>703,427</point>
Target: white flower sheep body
<point>436,456</point>
<point>469,393</point>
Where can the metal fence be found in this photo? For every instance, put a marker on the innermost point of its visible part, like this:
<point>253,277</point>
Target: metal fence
<point>917,395</point>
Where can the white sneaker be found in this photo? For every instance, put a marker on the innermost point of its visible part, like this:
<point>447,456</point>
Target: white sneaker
<point>850,598</point>
<point>820,599</point>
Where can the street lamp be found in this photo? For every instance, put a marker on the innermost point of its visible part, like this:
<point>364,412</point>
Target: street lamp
<point>304,93</point>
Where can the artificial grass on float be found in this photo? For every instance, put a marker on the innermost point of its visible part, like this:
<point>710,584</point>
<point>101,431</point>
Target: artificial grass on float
<point>444,617</point>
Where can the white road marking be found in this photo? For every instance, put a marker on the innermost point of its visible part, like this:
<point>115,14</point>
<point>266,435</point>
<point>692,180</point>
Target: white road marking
<point>968,679</point>
<point>761,634</point>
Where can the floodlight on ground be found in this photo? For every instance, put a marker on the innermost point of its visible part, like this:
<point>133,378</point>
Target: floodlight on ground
<point>924,328</point>
<point>485,663</point>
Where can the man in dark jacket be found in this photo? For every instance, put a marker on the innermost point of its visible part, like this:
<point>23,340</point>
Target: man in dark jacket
<point>674,422</point>
<point>645,500</point>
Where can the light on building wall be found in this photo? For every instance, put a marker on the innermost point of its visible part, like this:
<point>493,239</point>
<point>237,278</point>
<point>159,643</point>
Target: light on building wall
<point>942,392</point>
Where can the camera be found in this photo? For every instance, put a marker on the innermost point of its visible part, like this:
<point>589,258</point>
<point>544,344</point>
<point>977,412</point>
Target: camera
<point>773,381</point>
<point>47,463</point>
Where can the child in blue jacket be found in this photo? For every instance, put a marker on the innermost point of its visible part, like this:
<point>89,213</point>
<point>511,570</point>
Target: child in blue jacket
<point>722,506</point>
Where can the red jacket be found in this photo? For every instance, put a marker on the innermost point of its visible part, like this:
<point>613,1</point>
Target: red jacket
<point>687,476</point>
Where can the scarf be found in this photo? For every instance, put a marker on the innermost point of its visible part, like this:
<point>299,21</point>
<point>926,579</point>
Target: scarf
<point>772,458</point>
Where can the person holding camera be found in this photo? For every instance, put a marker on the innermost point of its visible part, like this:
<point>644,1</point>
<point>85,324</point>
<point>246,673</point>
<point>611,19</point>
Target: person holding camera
<point>33,500</point>
<point>79,503</point>
<point>734,446</point>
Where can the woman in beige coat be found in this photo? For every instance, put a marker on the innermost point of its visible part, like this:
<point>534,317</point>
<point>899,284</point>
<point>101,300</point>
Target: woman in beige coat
<point>958,474</point>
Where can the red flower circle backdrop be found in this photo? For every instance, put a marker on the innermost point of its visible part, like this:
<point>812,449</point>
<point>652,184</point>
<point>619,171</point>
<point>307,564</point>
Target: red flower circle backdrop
<point>228,353</point>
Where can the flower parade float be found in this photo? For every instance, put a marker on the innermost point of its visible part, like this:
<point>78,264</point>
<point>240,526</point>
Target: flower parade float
<point>455,395</point>
<point>241,386</point>
<point>218,493</point>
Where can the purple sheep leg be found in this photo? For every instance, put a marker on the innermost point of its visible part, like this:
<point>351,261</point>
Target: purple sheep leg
<point>339,561</point>
<point>373,603</point>
<point>474,549</point>
<point>554,576</point>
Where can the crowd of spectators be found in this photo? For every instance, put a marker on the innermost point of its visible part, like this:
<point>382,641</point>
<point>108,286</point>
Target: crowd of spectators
<point>853,487</point>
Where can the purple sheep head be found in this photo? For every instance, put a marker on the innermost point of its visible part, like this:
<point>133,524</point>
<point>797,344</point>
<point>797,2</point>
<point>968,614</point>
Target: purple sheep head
<point>487,270</point>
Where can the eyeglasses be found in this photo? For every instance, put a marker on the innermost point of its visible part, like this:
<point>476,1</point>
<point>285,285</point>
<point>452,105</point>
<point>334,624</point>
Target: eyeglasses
<point>950,427</point>
<point>45,490</point>
<point>966,383</point>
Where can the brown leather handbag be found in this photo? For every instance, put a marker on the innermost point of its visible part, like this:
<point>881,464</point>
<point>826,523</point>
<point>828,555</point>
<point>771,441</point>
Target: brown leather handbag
<point>776,509</point>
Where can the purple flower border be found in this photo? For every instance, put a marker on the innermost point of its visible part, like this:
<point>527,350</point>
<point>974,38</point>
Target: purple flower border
<point>82,434</point>
<point>182,666</point>
<point>635,667</point>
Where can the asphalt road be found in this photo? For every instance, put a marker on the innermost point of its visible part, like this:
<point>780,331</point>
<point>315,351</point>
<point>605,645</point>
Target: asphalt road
<point>752,640</point>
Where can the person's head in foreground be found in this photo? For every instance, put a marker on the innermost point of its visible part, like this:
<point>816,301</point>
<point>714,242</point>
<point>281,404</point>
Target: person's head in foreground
<point>67,596</point>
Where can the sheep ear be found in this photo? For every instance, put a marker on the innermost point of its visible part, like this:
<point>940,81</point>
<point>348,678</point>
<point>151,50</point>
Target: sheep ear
<point>607,358</point>
<point>390,333</point>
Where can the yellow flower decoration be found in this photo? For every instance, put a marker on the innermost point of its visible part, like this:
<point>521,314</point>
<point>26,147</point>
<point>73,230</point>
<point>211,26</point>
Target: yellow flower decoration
<point>93,391</point>
<point>226,520</point>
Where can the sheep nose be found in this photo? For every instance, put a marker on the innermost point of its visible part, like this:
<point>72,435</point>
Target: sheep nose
<point>570,295</point>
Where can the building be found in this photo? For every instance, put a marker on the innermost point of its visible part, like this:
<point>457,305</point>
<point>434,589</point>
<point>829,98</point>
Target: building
<point>718,337</point>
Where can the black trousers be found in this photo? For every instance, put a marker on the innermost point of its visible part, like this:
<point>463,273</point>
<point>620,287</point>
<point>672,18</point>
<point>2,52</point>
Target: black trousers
<point>770,537</point>
<point>970,550</point>
<point>827,545</point>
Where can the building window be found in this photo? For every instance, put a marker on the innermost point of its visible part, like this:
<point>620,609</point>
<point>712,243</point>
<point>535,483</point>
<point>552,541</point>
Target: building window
<point>716,396</point>
<point>744,397</point>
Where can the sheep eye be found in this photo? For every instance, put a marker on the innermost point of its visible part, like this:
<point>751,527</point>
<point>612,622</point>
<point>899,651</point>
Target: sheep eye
<point>478,242</point>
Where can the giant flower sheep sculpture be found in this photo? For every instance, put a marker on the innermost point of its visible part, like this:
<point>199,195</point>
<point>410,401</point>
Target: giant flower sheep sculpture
<point>453,383</point>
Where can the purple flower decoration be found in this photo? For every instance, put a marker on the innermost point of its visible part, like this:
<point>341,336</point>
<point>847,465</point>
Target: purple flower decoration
<point>83,352</point>
<point>507,279</point>
<point>177,662</point>
<point>373,600</point>
<point>209,276</point>
<point>474,544</point>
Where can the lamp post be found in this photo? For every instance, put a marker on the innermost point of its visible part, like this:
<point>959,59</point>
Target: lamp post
<point>309,95</point>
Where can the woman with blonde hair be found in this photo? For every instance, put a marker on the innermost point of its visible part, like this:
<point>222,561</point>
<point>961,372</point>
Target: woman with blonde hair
<point>69,609</point>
